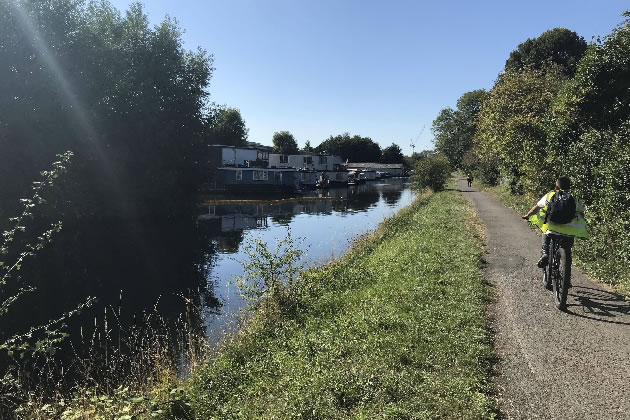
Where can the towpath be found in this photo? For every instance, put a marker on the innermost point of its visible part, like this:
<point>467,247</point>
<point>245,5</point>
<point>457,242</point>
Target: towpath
<point>552,364</point>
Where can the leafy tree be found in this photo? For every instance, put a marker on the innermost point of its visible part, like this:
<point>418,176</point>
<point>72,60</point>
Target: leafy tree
<point>599,94</point>
<point>510,133</point>
<point>454,129</point>
<point>284,142</point>
<point>410,161</point>
<point>124,96</point>
<point>307,147</point>
<point>432,172</point>
<point>558,46</point>
<point>227,127</point>
<point>392,154</point>
<point>353,149</point>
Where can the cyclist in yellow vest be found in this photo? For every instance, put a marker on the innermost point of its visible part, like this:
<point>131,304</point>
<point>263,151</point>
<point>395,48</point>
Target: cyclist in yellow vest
<point>537,216</point>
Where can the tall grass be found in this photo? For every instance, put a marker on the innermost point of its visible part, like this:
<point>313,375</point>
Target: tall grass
<point>121,371</point>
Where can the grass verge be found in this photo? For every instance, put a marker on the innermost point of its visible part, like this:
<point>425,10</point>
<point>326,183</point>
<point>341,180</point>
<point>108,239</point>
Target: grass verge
<point>394,329</point>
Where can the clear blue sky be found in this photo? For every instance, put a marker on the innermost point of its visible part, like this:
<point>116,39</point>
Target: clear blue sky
<point>382,69</point>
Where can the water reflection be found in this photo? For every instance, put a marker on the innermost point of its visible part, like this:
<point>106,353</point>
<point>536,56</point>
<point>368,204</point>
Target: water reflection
<point>327,221</point>
<point>130,267</point>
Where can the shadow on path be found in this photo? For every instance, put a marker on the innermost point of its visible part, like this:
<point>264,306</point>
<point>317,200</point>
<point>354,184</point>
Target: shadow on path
<point>598,305</point>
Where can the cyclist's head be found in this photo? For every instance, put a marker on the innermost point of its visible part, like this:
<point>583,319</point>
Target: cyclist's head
<point>563,183</point>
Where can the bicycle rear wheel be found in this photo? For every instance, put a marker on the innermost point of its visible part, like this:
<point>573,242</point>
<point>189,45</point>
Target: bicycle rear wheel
<point>561,274</point>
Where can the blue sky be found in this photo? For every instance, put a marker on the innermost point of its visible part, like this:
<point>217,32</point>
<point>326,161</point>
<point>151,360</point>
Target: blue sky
<point>381,69</point>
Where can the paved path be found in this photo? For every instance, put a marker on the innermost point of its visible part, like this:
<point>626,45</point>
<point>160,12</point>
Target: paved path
<point>553,365</point>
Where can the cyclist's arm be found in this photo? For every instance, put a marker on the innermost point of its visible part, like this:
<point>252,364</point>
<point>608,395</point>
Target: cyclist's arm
<point>531,211</point>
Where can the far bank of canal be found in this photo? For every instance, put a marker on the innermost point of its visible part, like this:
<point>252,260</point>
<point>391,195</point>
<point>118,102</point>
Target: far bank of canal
<point>326,229</point>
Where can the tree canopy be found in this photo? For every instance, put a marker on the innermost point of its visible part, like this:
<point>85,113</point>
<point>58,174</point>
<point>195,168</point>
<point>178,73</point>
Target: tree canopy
<point>353,149</point>
<point>454,129</point>
<point>123,95</point>
<point>392,154</point>
<point>284,142</point>
<point>307,147</point>
<point>510,130</point>
<point>226,126</point>
<point>558,46</point>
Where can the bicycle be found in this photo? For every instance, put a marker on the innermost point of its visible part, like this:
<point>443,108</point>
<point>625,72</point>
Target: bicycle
<point>557,273</point>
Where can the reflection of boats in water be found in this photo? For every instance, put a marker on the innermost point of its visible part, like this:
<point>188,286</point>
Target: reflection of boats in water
<point>222,216</point>
<point>225,217</point>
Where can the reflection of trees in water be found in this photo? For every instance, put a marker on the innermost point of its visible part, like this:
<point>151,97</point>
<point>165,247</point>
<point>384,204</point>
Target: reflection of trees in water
<point>216,235</point>
<point>127,266</point>
<point>391,197</point>
<point>362,197</point>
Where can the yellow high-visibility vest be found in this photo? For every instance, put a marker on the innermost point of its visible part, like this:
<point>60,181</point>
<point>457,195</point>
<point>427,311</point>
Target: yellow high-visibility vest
<point>576,227</point>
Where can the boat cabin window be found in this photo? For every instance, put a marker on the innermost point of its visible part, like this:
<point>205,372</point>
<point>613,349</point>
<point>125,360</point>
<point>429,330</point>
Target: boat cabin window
<point>260,176</point>
<point>323,160</point>
<point>263,155</point>
<point>308,160</point>
<point>239,175</point>
<point>277,176</point>
<point>284,159</point>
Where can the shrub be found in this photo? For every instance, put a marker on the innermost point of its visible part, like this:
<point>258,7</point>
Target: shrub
<point>432,172</point>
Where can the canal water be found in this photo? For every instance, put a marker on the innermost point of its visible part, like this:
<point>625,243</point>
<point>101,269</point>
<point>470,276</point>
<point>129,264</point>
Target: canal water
<point>324,224</point>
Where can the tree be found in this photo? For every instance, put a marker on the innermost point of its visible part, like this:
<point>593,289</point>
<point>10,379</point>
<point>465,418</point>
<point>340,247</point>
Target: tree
<point>511,128</point>
<point>454,129</point>
<point>353,149</point>
<point>599,95</point>
<point>227,127</point>
<point>558,46</point>
<point>284,142</point>
<point>392,154</point>
<point>122,94</point>
<point>410,161</point>
<point>307,147</point>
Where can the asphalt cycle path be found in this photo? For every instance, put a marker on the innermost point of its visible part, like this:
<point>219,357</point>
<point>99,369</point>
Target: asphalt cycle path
<point>552,364</point>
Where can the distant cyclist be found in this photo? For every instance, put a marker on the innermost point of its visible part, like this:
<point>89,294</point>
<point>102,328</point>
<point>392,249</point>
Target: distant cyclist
<point>560,213</point>
<point>469,178</point>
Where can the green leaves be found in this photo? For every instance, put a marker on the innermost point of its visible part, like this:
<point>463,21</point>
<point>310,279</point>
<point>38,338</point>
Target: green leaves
<point>352,148</point>
<point>270,276</point>
<point>432,172</point>
<point>454,129</point>
<point>392,154</point>
<point>284,142</point>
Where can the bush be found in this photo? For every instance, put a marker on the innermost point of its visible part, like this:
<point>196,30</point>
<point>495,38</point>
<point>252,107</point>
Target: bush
<point>432,172</point>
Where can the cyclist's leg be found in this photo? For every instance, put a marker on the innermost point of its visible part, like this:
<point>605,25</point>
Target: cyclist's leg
<point>544,258</point>
<point>569,261</point>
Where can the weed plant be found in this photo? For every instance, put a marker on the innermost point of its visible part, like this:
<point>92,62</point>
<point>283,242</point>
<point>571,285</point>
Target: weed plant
<point>126,371</point>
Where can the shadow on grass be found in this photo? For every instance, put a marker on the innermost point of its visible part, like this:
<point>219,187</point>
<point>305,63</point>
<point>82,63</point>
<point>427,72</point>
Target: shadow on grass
<point>599,305</point>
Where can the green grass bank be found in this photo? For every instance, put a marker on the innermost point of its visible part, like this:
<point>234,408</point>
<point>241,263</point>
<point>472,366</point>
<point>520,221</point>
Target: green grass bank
<point>394,329</point>
<point>603,256</point>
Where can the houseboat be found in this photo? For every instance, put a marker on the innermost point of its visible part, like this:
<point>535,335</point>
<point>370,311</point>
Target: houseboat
<point>391,169</point>
<point>327,166</point>
<point>308,179</point>
<point>259,180</point>
<point>337,178</point>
